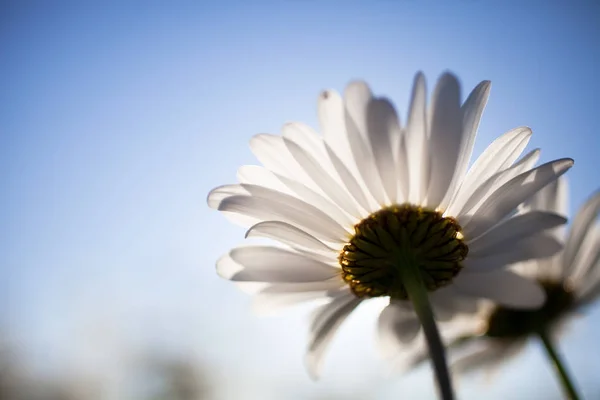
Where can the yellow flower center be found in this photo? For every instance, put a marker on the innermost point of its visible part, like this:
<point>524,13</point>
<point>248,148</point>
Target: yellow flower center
<point>372,260</point>
<point>509,323</point>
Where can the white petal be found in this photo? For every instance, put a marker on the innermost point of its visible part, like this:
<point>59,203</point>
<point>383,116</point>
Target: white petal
<point>535,247</point>
<point>333,125</point>
<point>302,215</point>
<point>290,235</point>
<point>514,230</point>
<point>480,194</point>
<point>418,156</point>
<point>260,176</point>
<point>315,199</point>
<point>326,321</point>
<point>397,325</point>
<point>447,303</point>
<point>587,255</point>
<point>552,198</point>
<point>402,169</point>
<point>251,288</point>
<point>589,289</point>
<point>446,137</point>
<point>356,98</point>
<point>499,155</point>
<point>321,177</point>
<point>384,130</point>
<point>272,153</point>
<point>218,194</point>
<point>305,137</point>
<point>471,110</point>
<point>272,264</point>
<point>509,196</point>
<point>352,181</point>
<point>504,287</point>
<point>586,216</point>
<point>332,116</point>
<point>281,295</point>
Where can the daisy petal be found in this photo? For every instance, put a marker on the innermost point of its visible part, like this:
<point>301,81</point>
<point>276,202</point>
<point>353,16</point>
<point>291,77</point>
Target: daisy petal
<point>397,325</point>
<point>446,303</point>
<point>305,137</point>
<point>503,287</point>
<point>332,115</point>
<point>446,137</point>
<point>586,257</point>
<point>384,129</point>
<point>477,197</point>
<point>552,198</point>
<point>499,155</point>
<point>272,153</point>
<point>218,194</point>
<point>322,179</point>
<point>513,230</point>
<point>472,110</point>
<point>288,234</point>
<point>517,190</point>
<point>333,126</point>
<point>350,180</point>
<point>357,97</point>
<point>315,199</point>
<point>302,215</point>
<point>272,264</point>
<point>535,247</point>
<point>416,143</point>
<point>326,322</point>
<point>585,218</point>
<point>400,150</point>
<point>281,295</point>
<point>260,176</point>
<point>589,290</point>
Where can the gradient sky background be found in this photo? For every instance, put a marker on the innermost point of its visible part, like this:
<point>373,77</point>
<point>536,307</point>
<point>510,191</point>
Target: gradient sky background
<point>116,120</point>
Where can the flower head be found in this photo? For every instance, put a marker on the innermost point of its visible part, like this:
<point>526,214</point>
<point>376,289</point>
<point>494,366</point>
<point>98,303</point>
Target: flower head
<point>352,206</point>
<point>571,280</point>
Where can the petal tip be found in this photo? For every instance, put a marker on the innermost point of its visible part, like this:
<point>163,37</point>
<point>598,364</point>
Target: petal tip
<point>312,366</point>
<point>209,201</point>
<point>448,77</point>
<point>419,77</point>
<point>227,268</point>
<point>564,164</point>
<point>357,88</point>
<point>328,95</point>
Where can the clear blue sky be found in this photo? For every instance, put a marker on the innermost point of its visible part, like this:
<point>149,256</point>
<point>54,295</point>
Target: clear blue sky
<point>116,120</point>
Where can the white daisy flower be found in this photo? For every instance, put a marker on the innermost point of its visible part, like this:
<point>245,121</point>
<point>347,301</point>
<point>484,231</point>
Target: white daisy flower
<point>353,206</point>
<point>571,280</point>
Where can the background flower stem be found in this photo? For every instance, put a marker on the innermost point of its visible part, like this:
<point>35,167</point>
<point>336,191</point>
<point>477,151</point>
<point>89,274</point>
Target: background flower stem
<point>417,293</point>
<point>559,366</point>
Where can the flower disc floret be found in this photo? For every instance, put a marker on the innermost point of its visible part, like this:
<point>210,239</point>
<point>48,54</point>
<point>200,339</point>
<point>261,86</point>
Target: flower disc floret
<point>389,238</point>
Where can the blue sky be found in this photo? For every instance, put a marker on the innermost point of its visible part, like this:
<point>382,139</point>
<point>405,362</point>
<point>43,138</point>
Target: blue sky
<point>117,119</point>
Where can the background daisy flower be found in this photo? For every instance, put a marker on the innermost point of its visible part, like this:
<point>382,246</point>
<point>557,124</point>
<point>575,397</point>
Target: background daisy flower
<point>571,280</point>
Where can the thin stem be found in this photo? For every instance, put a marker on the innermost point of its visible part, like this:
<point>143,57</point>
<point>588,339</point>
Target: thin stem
<point>413,282</point>
<point>559,366</point>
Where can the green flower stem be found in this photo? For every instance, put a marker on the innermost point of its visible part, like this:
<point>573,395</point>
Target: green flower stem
<point>417,293</point>
<point>559,366</point>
